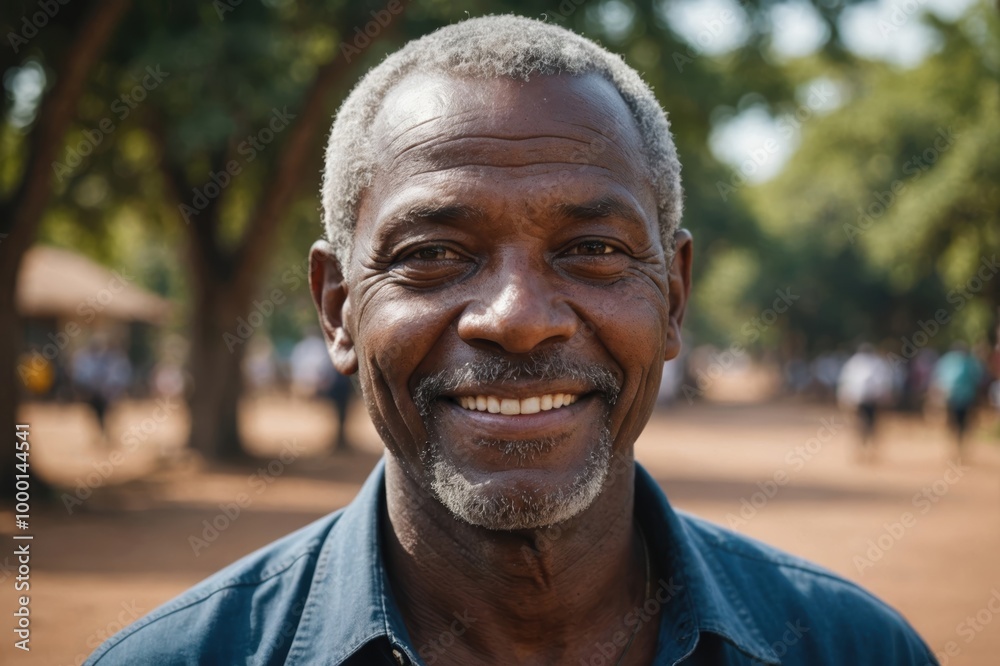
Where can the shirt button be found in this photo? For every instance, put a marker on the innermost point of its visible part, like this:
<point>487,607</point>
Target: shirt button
<point>686,627</point>
<point>398,655</point>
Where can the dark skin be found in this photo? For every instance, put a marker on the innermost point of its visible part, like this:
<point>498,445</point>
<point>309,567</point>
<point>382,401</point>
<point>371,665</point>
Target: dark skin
<point>506,218</point>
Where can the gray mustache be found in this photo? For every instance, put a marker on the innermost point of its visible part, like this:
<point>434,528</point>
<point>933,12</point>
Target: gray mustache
<point>489,369</point>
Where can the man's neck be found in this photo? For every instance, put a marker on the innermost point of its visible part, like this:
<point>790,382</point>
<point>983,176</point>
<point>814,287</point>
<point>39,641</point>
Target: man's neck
<point>555,595</point>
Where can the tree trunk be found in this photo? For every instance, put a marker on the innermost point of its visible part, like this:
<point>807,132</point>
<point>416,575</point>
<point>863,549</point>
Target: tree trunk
<point>225,282</point>
<point>10,344</point>
<point>21,215</point>
<point>216,372</point>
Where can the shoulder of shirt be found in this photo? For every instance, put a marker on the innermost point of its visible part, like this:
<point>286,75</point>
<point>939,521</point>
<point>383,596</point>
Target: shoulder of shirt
<point>758,553</point>
<point>291,558</point>
<point>778,587</point>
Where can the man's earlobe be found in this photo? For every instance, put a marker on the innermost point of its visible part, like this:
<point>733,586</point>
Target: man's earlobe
<point>679,283</point>
<point>332,301</point>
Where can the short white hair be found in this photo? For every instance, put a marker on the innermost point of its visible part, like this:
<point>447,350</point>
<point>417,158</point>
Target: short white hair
<point>489,47</point>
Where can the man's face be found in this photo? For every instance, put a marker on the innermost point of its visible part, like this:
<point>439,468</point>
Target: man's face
<point>508,260</point>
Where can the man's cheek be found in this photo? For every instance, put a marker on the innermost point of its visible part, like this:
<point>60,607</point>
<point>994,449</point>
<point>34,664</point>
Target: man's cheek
<point>393,354</point>
<point>635,335</point>
<point>633,330</point>
<point>394,415</point>
<point>382,360</point>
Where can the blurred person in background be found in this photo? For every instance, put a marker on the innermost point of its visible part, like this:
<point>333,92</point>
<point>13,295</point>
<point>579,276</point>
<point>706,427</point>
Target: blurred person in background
<point>168,378</point>
<point>957,377</point>
<point>826,369</point>
<point>309,366</point>
<point>797,374</point>
<point>313,376</point>
<point>340,392</point>
<point>670,382</point>
<point>993,367</point>
<point>37,373</point>
<point>919,375</point>
<point>101,373</point>
<point>865,386</point>
<point>259,365</point>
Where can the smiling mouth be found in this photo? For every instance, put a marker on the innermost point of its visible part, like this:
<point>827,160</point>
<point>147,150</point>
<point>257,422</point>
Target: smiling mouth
<point>515,406</point>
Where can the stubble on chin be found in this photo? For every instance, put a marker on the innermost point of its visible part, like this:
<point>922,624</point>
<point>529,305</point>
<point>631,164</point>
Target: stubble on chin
<point>489,505</point>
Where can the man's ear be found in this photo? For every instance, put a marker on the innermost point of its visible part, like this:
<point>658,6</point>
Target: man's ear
<point>329,292</point>
<point>679,283</point>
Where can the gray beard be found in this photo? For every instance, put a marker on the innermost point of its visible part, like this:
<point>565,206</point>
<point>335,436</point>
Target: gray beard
<point>485,504</point>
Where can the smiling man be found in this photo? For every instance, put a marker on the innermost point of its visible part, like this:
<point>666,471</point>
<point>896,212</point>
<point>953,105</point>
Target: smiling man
<point>504,272</point>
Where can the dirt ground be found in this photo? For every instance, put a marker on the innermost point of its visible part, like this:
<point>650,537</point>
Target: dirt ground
<point>919,532</point>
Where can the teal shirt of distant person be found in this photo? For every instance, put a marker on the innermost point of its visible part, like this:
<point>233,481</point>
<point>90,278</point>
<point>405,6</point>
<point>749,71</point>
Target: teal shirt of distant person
<point>958,375</point>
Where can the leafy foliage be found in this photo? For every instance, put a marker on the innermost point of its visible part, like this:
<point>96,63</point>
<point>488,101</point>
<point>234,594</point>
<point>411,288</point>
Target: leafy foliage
<point>812,229</point>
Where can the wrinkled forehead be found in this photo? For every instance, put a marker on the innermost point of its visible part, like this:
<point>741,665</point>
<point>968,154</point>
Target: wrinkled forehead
<point>435,120</point>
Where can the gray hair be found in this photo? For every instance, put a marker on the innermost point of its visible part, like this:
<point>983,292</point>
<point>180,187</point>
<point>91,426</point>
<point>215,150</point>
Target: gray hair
<point>489,47</point>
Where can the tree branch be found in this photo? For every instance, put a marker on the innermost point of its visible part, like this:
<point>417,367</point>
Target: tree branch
<point>206,254</point>
<point>28,202</point>
<point>291,164</point>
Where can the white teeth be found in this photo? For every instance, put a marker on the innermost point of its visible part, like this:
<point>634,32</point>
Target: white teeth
<point>510,406</point>
<point>513,406</point>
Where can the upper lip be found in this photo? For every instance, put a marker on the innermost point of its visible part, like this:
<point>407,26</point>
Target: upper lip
<point>517,391</point>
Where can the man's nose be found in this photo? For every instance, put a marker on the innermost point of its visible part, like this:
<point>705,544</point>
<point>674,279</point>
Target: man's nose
<point>518,311</point>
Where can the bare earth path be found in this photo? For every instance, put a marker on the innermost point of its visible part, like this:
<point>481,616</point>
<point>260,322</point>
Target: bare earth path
<point>134,529</point>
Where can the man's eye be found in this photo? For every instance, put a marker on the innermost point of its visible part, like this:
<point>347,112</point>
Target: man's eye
<point>435,253</point>
<point>591,248</point>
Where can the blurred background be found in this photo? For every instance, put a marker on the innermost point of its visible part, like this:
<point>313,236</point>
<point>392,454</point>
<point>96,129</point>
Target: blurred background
<point>837,397</point>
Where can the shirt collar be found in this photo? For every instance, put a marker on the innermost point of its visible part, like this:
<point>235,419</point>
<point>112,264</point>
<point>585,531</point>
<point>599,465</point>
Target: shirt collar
<point>350,603</point>
<point>706,600</point>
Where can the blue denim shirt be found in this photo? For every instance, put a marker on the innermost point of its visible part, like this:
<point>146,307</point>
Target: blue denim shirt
<point>321,596</point>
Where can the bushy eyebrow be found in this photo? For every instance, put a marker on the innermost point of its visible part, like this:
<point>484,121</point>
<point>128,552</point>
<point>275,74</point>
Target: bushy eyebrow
<point>423,213</point>
<point>399,225</point>
<point>600,208</point>
<point>443,213</point>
